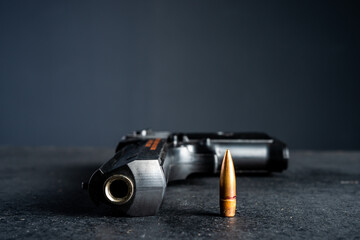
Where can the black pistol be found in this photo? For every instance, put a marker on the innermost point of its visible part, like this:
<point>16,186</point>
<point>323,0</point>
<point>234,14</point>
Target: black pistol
<point>134,180</point>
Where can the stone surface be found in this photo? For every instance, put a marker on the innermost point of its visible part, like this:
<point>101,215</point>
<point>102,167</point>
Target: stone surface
<point>317,197</point>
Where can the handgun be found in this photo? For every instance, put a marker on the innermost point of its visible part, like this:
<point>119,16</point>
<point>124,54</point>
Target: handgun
<point>134,180</point>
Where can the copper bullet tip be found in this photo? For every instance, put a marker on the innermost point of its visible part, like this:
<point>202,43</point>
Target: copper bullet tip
<point>227,186</point>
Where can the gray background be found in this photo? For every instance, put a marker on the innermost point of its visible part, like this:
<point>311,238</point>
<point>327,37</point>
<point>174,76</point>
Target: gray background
<point>83,73</point>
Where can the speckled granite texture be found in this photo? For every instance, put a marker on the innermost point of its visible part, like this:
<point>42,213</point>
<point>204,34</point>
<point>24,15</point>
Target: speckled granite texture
<point>317,197</point>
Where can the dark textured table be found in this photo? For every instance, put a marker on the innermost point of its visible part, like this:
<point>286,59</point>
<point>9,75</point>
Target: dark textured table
<point>317,197</point>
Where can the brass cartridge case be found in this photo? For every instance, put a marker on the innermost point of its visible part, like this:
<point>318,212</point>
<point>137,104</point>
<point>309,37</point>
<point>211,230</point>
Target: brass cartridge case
<point>227,186</point>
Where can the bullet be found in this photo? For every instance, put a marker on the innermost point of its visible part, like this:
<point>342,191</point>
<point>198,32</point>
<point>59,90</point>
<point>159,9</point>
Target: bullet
<point>227,186</point>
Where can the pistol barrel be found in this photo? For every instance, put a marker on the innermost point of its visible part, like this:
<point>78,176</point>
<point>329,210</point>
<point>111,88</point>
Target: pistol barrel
<point>118,189</point>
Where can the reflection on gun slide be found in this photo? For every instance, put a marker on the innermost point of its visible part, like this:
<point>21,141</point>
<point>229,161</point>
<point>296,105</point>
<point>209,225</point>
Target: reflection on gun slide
<point>133,182</point>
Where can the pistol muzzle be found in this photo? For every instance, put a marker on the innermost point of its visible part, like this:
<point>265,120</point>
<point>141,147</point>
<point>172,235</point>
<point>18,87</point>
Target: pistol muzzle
<point>118,189</point>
